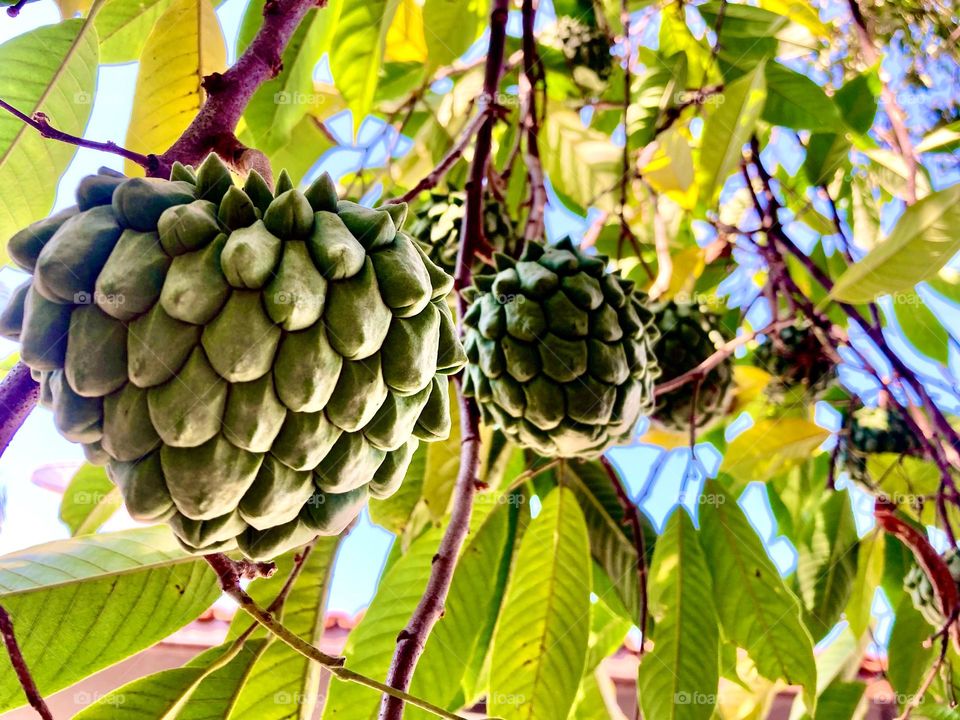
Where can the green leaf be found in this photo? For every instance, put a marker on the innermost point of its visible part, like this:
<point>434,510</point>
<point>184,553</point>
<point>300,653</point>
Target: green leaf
<point>799,12</point>
<point>653,93</point>
<point>89,500</point>
<point>282,102</point>
<point>757,610</point>
<point>583,164</point>
<point>908,659</point>
<point>371,643</point>
<point>746,35</point>
<point>356,52</point>
<point>795,101</point>
<point>472,594</point>
<point>826,153</point>
<point>596,699</point>
<point>921,327</point>
<point>857,100</point>
<point>726,130</point>
<point>540,644</point>
<point>870,561</point>
<point>203,689</point>
<point>289,680</point>
<point>450,28</point>
<point>678,680</point>
<point>827,564</point>
<point>676,39</point>
<point>307,144</point>
<point>52,70</point>
<point>772,446</point>
<point>83,604</point>
<point>124,25</point>
<point>611,542</point>
<point>839,701</point>
<point>933,711</point>
<point>924,239</point>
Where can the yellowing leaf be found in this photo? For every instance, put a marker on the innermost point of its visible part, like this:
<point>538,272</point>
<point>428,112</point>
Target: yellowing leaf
<point>405,40</point>
<point>186,44</point>
<point>667,439</point>
<point>70,8</point>
<point>802,13</point>
<point>772,446</point>
<point>670,170</point>
<point>688,265</point>
<point>750,382</point>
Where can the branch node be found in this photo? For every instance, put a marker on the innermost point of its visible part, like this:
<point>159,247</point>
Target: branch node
<point>213,83</point>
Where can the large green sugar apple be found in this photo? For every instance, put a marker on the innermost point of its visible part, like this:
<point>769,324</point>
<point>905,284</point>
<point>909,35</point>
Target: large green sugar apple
<point>924,595</point>
<point>559,351</point>
<point>870,431</point>
<point>689,334</point>
<point>796,359</point>
<point>249,367</point>
<point>436,226</point>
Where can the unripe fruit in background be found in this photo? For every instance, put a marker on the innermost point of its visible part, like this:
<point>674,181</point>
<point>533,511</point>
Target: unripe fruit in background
<point>250,368</point>
<point>560,351</point>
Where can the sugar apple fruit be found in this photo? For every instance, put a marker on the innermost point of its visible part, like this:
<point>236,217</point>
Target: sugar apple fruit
<point>796,359</point>
<point>870,431</point>
<point>559,351</point>
<point>586,49</point>
<point>249,368</point>
<point>689,334</point>
<point>436,226</point>
<point>922,593</point>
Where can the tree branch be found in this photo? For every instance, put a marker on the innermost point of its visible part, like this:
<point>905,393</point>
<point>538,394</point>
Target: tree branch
<point>229,93</point>
<point>20,667</point>
<point>18,395</point>
<point>413,638</point>
<point>41,123</point>
<point>229,574</point>
<point>532,77</point>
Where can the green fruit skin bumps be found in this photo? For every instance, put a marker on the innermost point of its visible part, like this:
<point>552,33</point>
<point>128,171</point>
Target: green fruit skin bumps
<point>244,365</point>
<point>688,336</point>
<point>560,351</point>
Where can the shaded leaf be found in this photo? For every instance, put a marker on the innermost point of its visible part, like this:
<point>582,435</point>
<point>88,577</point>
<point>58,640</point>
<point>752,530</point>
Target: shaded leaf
<point>540,644</point>
<point>908,659</point>
<point>795,101</point>
<point>757,611</point>
<point>839,701</point>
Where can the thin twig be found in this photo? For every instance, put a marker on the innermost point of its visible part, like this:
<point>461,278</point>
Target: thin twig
<point>631,517</point>
<point>20,667</point>
<point>413,638</point>
<point>41,123</point>
<point>661,242</point>
<point>229,578</point>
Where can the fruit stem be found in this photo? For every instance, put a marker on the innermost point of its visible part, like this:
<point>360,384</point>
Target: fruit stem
<point>18,395</point>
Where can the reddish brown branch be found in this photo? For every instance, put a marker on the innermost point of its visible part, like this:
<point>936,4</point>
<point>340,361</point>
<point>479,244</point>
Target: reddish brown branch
<point>41,123</point>
<point>533,76</point>
<point>413,638</point>
<point>631,517</point>
<point>18,396</point>
<point>229,93</point>
<point>20,667</point>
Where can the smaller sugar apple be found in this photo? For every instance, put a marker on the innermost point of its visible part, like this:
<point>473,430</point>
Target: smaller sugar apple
<point>689,334</point>
<point>586,49</point>
<point>559,351</point>
<point>436,226</point>
<point>870,431</point>
<point>796,359</point>
<point>921,591</point>
<point>249,366</point>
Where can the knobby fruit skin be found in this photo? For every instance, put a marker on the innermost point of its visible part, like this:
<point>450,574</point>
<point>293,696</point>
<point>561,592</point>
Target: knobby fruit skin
<point>560,351</point>
<point>436,225</point>
<point>796,359</point>
<point>869,431</point>
<point>249,367</point>
<point>689,335</point>
<point>924,595</point>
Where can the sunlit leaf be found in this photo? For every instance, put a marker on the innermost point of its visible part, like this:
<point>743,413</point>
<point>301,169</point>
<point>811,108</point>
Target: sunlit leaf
<point>186,44</point>
<point>52,70</point>
<point>583,164</point>
<point>405,38</point>
<point>451,28</point>
<point>89,500</point>
<point>869,577</point>
<point>771,446</point>
<point>921,327</point>
<point>125,25</point>
<point>795,101</point>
